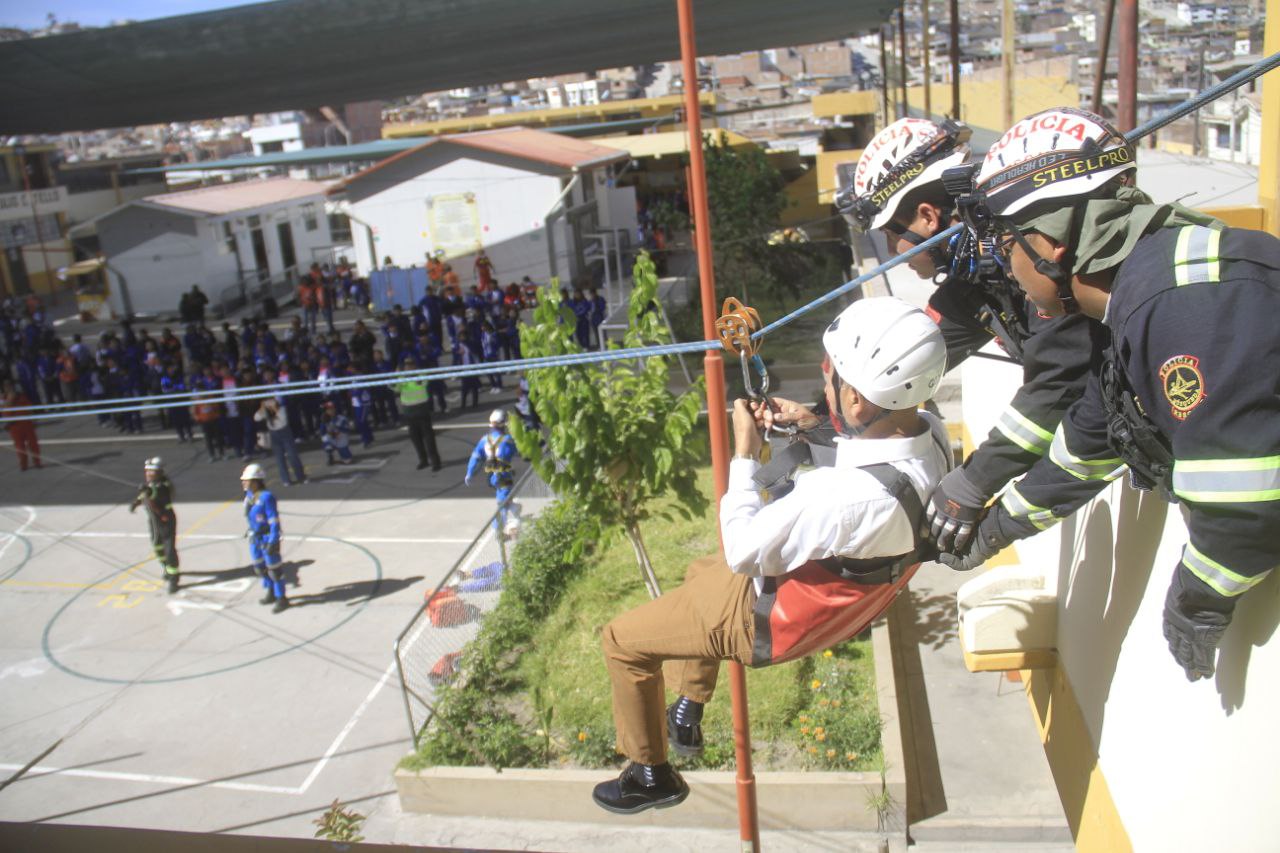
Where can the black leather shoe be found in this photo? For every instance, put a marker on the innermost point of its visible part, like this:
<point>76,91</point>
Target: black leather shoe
<point>173,583</point>
<point>684,740</point>
<point>641,787</point>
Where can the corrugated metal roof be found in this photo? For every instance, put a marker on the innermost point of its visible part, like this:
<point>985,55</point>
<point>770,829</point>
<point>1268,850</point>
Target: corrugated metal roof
<point>538,146</point>
<point>242,195</point>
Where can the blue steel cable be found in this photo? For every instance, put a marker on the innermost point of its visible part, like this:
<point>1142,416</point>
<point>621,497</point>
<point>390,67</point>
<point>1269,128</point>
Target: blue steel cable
<point>259,392</point>
<point>1235,81</point>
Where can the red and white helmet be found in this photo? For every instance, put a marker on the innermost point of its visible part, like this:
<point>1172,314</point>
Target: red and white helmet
<point>1056,153</point>
<point>909,153</point>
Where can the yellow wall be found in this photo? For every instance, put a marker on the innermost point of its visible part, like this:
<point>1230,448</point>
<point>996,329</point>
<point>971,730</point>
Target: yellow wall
<point>1269,168</point>
<point>845,104</point>
<point>645,107</point>
<point>826,169</point>
<point>980,101</point>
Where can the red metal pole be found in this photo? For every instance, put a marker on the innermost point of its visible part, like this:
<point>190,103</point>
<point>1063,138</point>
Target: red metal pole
<point>748,823</point>
<point>1127,72</point>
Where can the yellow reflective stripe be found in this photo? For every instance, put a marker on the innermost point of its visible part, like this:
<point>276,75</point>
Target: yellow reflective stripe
<point>1083,469</point>
<point>1195,258</point>
<point>1024,432</point>
<point>1228,480</point>
<point>1020,507</point>
<point>1218,576</point>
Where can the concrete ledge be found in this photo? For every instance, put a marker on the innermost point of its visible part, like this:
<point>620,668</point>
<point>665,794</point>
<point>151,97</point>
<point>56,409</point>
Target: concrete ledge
<point>787,800</point>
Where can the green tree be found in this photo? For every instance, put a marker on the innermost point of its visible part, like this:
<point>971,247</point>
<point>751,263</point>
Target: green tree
<point>744,193</point>
<point>617,437</point>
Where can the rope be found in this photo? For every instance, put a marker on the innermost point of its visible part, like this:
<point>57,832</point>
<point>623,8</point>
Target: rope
<point>311,386</point>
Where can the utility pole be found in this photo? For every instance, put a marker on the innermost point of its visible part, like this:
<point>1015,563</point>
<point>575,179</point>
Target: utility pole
<point>717,422</point>
<point>1008,38</point>
<point>1104,48</point>
<point>20,151</point>
<point>902,61</point>
<point>1127,73</point>
<point>924,56</point>
<point>884,76</point>
<point>955,59</point>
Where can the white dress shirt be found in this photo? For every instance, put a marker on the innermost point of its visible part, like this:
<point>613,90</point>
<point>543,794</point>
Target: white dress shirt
<point>837,511</point>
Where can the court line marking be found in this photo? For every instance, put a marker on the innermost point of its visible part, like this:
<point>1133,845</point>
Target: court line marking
<point>115,776</point>
<point>12,537</point>
<point>41,770</point>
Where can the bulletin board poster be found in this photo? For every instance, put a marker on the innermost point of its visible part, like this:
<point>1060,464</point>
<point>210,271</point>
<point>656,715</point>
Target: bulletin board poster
<point>453,222</point>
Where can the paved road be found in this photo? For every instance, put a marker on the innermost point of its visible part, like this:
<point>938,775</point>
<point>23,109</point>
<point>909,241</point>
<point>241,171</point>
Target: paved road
<point>204,710</point>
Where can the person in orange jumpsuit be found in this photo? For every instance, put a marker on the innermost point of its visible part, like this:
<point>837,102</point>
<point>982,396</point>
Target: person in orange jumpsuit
<point>23,431</point>
<point>484,271</point>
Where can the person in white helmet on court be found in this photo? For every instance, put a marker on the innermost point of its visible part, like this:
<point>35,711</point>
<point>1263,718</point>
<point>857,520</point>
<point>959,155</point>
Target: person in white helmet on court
<point>264,534</point>
<point>800,573</point>
<point>495,451</point>
<point>898,189</point>
<point>156,493</point>
<point>1185,395</point>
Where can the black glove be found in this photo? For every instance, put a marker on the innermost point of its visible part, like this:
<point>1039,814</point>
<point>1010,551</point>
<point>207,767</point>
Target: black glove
<point>1192,630</point>
<point>996,530</point>
<point>953,512</point>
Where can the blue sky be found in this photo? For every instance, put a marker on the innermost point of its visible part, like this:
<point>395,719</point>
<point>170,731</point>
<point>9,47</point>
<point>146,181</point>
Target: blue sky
<point>31,13</point>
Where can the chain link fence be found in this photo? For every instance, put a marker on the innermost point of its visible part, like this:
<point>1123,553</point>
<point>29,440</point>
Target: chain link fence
<point>428,650</point>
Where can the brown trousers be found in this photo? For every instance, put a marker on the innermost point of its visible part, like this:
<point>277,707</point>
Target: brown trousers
<point>705,620</point>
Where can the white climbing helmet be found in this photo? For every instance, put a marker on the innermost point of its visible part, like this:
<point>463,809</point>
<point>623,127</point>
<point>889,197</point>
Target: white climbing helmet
<point>253,471</point>
<point>498,418</point>
<point>1055,153</point>
<point>888,350</point>
<point>908,154</point>
<point>155,463</point>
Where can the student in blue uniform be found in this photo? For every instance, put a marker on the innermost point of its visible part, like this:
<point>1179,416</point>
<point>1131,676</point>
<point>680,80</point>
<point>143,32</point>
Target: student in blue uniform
<point>264,535</point>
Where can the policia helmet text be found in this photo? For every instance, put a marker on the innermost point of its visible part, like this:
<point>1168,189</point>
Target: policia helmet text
<point>906,155</point>
<point>1055,158</point>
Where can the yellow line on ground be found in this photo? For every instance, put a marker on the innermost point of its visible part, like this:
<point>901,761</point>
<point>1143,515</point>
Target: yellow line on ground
<point>200,522</point>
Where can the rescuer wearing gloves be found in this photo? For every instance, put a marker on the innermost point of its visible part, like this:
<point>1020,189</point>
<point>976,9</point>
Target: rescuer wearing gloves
<point>156,493</point>
<point>1186,394</point>
<point>495,451</point>
<point>801,573</point>
<point>264,535</point>
<point>898,188</point>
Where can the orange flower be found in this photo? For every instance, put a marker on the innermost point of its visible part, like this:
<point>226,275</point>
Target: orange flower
<point>820,736</point>
<point>831,753</point>
<point>815,684</point>
<point>582,736</point>
<point>827,653</point>
<point>851,756</point>
<point>813,750</point>
<point>804,730</point>
<point>819,730</point>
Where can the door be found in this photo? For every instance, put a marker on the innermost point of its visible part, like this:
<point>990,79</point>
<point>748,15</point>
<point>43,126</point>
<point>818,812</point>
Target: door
<point>285,232</point>
<point>18,283</point>
<point>260,254</point>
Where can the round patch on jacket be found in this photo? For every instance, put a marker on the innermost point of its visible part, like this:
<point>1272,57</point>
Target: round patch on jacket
<point>1183,384</point>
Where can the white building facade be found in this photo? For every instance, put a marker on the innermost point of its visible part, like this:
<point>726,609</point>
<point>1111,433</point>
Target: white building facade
<point>224,238</point>
<point>529,198</point>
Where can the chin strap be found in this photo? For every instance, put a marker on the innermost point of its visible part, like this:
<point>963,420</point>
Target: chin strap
<point>1051,270</point>
<point>842,424</point>
<point>941,263</point>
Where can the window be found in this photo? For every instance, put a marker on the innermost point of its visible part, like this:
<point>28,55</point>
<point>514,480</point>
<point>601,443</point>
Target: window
<point>339,228</point>
<point>309,216</point>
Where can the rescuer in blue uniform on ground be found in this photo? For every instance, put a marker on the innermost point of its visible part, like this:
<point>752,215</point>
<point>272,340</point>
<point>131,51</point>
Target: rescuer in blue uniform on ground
<point>264,535</point>
<point>1185,398</point>
<point>495,451</point>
